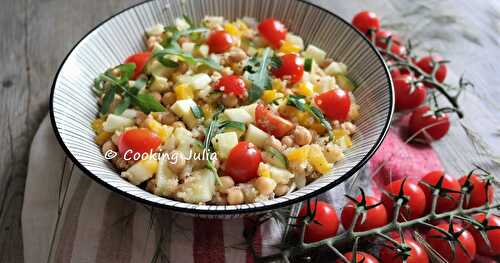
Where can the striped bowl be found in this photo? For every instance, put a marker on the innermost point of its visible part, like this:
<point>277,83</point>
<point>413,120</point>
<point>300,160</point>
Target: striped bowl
<point>73,105</point>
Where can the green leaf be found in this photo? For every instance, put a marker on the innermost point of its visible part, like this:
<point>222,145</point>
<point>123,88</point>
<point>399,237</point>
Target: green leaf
<point>308,64</point>
<point>321,118</point>
<point>188,58</point>
<point>233,124</point>
<point>260,79</point>
<point>172,41</point>
<point>139,84</point>
<point>197,112</point>
<point>188,20</point>
<point>298,101</point>
<point>276,62</point>
<point>126,70</point>
<point>108,99</point>
<point>124,104</point>
<point>148,103</point>
<point>168,62</point>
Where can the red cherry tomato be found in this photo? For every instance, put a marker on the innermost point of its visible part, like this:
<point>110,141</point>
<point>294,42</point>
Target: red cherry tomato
<point>417,252</point>
<point>271,123</point>
<point>413,208</point>
<point>436,240</point>
<point>243,162</point>
<point>273,31</point>
<point>219,41</point>
<point>426,62</point>
<point>360,257</point>
<point>446,201</point>
<point>325,222</point>
<point>478,196</point>
<point>335,104</point>
<point>231,84</point>
<point>381,38</point>
<point>138,141</point>
<point>408,97</point>
<point>493,235</point>
<point>292,68</point>
<point>429,126</point>
<point>375,216</point>
<point>366,21</point>
<point>139,59</point>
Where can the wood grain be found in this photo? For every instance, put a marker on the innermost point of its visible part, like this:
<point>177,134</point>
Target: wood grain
<point>36,36</point>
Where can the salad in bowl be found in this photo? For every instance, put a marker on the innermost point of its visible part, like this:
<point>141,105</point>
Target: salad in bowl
<point>225,112</point>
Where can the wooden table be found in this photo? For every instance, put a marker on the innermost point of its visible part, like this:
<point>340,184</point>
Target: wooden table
<point>36,35</point>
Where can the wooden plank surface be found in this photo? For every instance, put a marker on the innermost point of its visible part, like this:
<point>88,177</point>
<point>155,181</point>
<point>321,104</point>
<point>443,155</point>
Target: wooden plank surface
<point>36,36</point>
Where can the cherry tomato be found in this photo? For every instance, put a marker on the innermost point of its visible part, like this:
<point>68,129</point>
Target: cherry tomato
<point>325,222</point>
<point>381,38</point>
<point>426,62</point>
<point>138,141</point>
<point>478,196</point>
<point>139,59</point>
<point>273,31</point>
<point>417,252</point>
<point>243,162</point>
<point>446,201</point>
<point>414,207</point>
<point>398,50</point>
<point>408,97</point>
<point>360,257</point>
<point>271,123</point>
<point>334,104</point>
<point>440,245</point>
<point>219,41</point>
<point>231,84</point>
<point>429,126</point>
<point>366,21</point>
<point>375,216</point>
<point>292,68</point>
<point>493,235</point>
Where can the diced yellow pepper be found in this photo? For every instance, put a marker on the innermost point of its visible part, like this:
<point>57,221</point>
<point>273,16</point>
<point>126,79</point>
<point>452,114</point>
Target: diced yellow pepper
<point>320,129</point>
<point>277,85</point>
<point>183,92</point>
<point>288,47</point>
<point>97,125</point>
<point>102,137</point>
<point>241,25</point>
<point>264,171</point>
<point>232,29</point>
<point>269,96</point>
<point>304,89</point>
<point>298,154</point>
<point>305,118</point>
<point>339,133</point>
<point>318,160</point>
<point>163,131</point>
<point>150,164</point>
<point>348,141</point>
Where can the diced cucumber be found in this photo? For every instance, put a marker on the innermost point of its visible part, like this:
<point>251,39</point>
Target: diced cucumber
<point>156,68</point>
<point>166,180</point>
<point>326,83</point>
<point>345,83</point>
<point>280,176</point>
<point>315,53</point>
<point>239,115</point>
<point>256,136</point>
<point>250,109</point>
<point>184,140</point>
<point>198,188</point>
<point>115,122</point>
<point>336,68</point>
<point>276,158</point>
<point>182,108</point>
<point>224,143</point>
<point>158,84</point>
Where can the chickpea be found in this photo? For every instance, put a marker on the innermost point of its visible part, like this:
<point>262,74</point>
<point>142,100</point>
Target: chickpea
<point>287,140</point>
<point>182,68</point>
<point>235,196</point>
<point>236,55</point>
<point>226,183</point>
<point>326,62</point>
<point>156,95</point>
<point>169,144</point>
<point>281,189</point>
<point>275,143</point>
<point>249,192</point>
<point>265,185</point>
<point>121,164</point>
<point>302,136</point>
<point>219,199</point>
<point>229,100</point>
<point>178,124</point>
<point>168,98</point>
<point>167,117</point>
<point>177,162</point>
<point>140,118</point>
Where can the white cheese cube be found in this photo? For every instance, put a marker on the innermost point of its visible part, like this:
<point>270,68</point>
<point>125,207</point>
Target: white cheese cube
<point>239,115</point>
<point>182,108</point>
<point>198,188</point>
<point>115,122</point>
<point>256,136</point>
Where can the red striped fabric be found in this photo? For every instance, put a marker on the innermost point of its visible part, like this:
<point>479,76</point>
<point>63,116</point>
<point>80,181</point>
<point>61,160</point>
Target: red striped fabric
<point>208,241</point>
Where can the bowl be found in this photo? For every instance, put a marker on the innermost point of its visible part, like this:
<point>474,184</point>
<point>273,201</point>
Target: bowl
<point>73,106</point>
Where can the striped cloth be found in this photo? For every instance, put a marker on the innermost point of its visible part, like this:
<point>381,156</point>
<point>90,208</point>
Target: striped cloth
<point>67,217</point>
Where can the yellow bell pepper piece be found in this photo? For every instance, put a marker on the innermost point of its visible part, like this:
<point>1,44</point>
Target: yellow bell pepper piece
<point>102,137</point>
<point>97,125</point>
<point>232,29</point>
<point>288,47</point>
<point>269,96</point>
<point>298,154</point>
<point>150,164</point>
<point>183,92</point>
<point>163,131</point>
<point>277,85</point>
<point>304,89</point>
<point>318,160</point>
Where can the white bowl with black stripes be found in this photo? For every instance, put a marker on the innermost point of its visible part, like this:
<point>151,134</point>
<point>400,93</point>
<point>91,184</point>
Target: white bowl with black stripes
<point>73,105</point>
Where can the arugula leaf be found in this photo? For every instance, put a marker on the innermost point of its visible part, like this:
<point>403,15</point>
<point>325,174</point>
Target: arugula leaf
<point>126,71</point>
<point>299,102</point>
<point>188,20</point>
<point>122,106</point>
<point>172,41</point>
<point>108,99</point>
<point>233,124</point>
<point>260,79</point>
<point>308,64</point>
<point>197,112</point>
<point>168,62</point>
<point>276,61</point>
<point>148,103</point>
<point>188,58</point>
